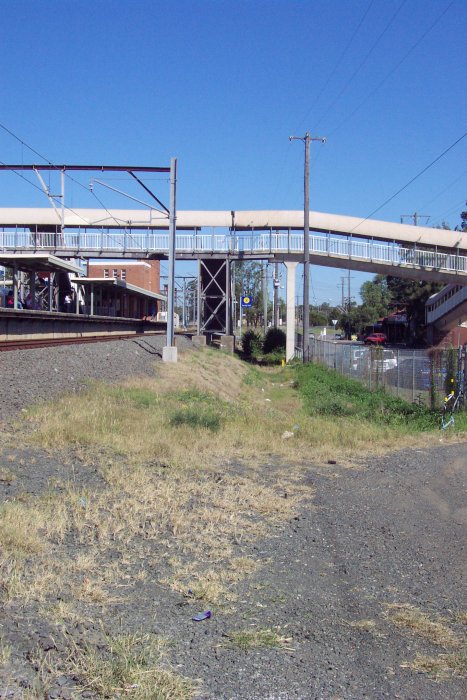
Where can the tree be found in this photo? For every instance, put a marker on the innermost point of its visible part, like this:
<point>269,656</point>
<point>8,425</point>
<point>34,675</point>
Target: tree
<point>412,295</point>
<point>463,224</point>
<point>376,298</point>
<point>248,280</point>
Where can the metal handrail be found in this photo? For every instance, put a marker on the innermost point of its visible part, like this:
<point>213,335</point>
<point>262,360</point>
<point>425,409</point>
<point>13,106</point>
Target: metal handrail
<point>147,241</point>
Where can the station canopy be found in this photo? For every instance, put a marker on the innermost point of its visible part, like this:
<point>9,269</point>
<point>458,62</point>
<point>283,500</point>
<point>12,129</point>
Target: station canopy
<point>34,262</point>
<point>120,285</point>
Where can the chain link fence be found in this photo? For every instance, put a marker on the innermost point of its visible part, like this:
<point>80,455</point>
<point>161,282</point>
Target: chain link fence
<point>417,376</point>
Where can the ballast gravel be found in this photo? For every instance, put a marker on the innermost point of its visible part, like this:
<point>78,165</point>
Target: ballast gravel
<point>31,376</point>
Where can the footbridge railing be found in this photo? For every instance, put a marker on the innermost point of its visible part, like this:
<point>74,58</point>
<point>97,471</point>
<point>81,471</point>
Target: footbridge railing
<point>89,242</point>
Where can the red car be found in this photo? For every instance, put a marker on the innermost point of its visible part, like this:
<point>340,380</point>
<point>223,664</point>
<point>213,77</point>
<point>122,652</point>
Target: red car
<point>375,339</point>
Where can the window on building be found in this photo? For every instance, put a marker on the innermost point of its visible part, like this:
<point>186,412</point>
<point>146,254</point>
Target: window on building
<point>123,274</point>
<point>106,273</point>
<point>115,274</point>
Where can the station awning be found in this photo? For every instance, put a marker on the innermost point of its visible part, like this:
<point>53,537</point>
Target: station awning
<point>34,262</point>
<point>121,285</point>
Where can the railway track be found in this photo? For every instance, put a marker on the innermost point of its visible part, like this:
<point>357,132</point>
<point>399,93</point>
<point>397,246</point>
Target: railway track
<point>32,343</point>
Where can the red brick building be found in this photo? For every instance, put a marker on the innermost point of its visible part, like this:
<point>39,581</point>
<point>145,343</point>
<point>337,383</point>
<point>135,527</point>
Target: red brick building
<point>140,273</point>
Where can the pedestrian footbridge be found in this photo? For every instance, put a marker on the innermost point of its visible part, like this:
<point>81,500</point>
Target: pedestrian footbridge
<point>335,241</point>
<point>216,238</point>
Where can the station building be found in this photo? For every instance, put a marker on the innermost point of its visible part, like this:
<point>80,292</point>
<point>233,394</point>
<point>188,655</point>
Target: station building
<point>144,274</point>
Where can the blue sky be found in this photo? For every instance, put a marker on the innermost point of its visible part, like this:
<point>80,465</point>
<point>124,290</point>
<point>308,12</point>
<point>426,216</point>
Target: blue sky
<point>222,84</point>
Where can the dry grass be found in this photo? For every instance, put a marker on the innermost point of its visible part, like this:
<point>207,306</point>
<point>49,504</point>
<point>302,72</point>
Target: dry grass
<point>366,626</point>
<point>130,666</point>
<point>182,459</point>
<point>436,631</point>
<point>6,475</point>
<point>417,622</point>
<point>5,652</point>
<point>248,639</point>
<point>254,409</point>
<point>440,667</point>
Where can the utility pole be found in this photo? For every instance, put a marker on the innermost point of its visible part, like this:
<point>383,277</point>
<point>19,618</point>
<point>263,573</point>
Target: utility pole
<point>348,291</point>
<point>415,217</point>
<point>306,242</point>
<point>265,296</point>
<point>276,294</point>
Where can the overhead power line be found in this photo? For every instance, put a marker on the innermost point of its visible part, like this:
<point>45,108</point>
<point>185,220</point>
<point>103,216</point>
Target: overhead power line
<point>339,60</point>
<point>394,69</point>
<point>445,189</point>
<point>411,181</point>
<point>362,63</point>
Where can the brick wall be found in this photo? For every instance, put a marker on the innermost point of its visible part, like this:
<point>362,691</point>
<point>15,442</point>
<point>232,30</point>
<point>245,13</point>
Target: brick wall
<point>141,273</point>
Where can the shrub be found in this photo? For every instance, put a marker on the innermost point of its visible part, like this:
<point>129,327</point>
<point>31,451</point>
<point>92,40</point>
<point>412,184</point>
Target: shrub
<point>272,358</point>
<point>274,341</point>
<point>252,343</point>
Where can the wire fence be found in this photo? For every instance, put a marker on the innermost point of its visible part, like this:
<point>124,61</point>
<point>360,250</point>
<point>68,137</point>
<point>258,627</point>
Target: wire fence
<point>417,376</point>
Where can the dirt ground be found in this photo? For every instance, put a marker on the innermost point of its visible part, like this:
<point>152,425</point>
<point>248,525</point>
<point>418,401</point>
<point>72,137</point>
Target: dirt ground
<point>375,539</point>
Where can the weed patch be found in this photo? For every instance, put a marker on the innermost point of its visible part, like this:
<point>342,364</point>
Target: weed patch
<point>436,631</point>
<point>326,393</point>
<point>258,638</point>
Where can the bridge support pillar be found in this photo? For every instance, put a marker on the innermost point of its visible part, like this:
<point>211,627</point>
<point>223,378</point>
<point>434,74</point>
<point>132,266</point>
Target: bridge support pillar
<point>214,296</point>
<point>290,318</point>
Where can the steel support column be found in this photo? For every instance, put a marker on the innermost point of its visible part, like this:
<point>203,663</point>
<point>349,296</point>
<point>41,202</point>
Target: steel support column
<point>214,279</point>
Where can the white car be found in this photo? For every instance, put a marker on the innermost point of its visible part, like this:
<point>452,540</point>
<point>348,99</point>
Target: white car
<point>358,355</point>
<point>384,361</point>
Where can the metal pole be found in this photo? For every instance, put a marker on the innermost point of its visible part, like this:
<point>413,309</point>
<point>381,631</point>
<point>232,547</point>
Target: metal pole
<point>265,297</point>
<point>306,254</point>
<point>198,301</point>
<point>172,230</point>
<point>306,242</point>
<point>62,222</point>
<point>228,302</point>
<point>276,295</point>
<point>234,300</point>
<point>184,303</point>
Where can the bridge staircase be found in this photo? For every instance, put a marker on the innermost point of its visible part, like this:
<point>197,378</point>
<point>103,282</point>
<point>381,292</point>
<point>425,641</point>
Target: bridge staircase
<point>446,316</point>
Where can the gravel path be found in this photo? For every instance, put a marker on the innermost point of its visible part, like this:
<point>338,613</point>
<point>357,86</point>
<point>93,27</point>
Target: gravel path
<point>387,531</point>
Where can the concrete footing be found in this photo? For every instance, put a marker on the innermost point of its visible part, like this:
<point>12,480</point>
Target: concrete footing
<point>169,354</point>
<point>227,343</point>
<point>198,341</point>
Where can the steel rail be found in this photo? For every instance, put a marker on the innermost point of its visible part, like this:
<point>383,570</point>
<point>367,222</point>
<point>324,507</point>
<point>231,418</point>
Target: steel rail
<point>29,344</point>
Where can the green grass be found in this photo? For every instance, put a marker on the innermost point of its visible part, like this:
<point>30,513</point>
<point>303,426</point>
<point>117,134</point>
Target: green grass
<point>201,418</point>
<point>198,409</point>
<point>257,639</point>
<point>138,396</point>
<point>327,393</point>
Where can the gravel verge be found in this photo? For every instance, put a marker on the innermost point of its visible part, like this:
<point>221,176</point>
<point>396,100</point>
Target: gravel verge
<point>384,531</point>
